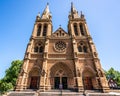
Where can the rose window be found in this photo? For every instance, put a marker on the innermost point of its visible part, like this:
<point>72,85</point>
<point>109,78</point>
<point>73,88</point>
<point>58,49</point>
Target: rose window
<point>60,46</point>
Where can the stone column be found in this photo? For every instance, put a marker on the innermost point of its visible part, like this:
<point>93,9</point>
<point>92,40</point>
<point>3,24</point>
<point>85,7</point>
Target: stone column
<point>86,30</point>
<point>44,73</point>
<point>72,30</point>
<point>49,29</point>
<point>41,33</point>
<point>78,29</point>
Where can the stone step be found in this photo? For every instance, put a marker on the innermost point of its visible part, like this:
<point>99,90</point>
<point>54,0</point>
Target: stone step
<point>22,94</point>
<point>58,90</point>
<point>60,94</point>
<point>101,94</point>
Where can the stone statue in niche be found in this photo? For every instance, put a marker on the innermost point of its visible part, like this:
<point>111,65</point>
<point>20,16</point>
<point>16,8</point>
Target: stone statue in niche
<point>100,73</point>
<point>95,54</point>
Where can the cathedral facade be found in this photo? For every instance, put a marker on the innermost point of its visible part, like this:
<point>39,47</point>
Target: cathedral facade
<point>60,59</point>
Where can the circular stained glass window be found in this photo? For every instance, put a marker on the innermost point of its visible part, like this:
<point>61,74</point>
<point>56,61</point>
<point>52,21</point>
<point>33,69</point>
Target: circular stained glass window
<point>60,46</point>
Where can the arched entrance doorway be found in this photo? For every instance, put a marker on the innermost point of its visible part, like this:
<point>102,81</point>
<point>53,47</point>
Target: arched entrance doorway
<point>88,76</point>
<point>60,80</point>
<point>60,76</point>
<point>34,76</point>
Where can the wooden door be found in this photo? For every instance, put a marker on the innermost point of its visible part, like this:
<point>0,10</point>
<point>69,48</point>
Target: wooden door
<point>56,82</point>
<point>34,82</point>
<point>88,83</point>
<point>64,82</point>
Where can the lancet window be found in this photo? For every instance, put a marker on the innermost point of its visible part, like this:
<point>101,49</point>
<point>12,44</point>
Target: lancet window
<point>38,48</point>
<point>45,29</point>
<point>75,29</point>
<point>81,29</point>
<point>82,48</point>
<point>39,30</point>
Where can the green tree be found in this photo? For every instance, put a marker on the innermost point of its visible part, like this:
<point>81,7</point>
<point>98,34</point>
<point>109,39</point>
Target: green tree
<point>9,80</point>
<point>115,75</point>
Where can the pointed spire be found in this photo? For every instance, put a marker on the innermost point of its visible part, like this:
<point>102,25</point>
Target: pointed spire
<point>46,13</point>
<point>47,8</point>
<point>74,13</point>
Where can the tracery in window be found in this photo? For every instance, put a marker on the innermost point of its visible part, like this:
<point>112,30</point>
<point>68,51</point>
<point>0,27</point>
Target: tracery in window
<point>82,47</point>
<point>85,49</point>
<point>60,46</point>
<point>38,48</point>
<point>79,48</point>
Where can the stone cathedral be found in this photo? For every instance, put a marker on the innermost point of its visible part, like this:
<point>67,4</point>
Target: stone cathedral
<point>61,59</point>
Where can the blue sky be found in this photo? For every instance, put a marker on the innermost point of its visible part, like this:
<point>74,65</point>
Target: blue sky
<point>17,18</point>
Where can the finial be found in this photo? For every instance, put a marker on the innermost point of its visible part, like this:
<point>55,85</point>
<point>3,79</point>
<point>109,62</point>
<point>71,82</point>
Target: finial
<point>60,25</point>
<point>71,4</point>
<point>47,3</point>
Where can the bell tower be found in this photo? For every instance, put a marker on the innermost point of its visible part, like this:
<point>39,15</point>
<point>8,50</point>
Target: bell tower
<point>43,26</point>
<point>88,71</point>
<point>36,53</point>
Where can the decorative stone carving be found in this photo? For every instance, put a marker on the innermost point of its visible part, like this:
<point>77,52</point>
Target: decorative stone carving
<point>60,46</point>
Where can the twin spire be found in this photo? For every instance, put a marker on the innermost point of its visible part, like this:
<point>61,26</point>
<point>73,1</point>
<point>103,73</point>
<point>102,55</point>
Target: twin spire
<point>47,14</point>
<point>74,13</point>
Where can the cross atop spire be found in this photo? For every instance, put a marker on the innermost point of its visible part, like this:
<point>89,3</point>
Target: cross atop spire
<point>46,13</point>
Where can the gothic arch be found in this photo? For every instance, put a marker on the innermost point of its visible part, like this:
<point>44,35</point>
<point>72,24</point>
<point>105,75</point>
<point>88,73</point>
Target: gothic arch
<point>35,71</point>
<point>34,78</point>
<point>38,47</point>
<point>88,75</point>
<point>88,71</point>
<point>82,47</point>
<point>61,74</point>
<point>60,66</point>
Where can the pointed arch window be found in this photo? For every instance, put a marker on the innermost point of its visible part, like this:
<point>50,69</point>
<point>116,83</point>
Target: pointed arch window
<point>82,29</point>
<point>85,49</point>
<point>45,29</point>
<point>79,48</point>
<point>39,30</point>
<point>82,48</point>
<point>38,48</point>
<point>75,29</point>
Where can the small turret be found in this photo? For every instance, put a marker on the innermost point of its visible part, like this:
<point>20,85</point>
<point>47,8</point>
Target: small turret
<point>82,15</point>
<point>38,16</point>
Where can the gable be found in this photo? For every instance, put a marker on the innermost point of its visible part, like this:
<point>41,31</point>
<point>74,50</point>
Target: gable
<point>60,33</point>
